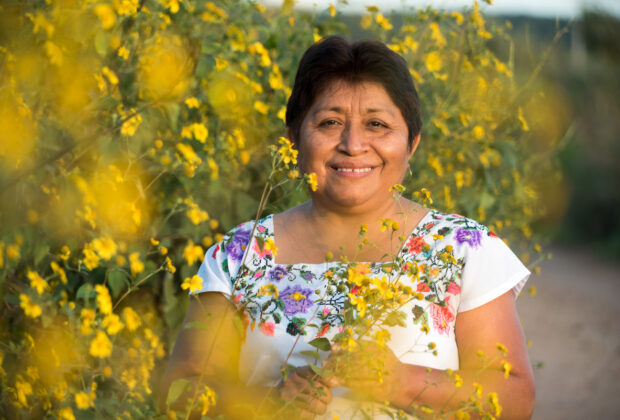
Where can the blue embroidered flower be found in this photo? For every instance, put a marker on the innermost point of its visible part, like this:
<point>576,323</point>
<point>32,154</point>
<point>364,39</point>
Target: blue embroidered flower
<point>296,299</point>
<point>237,246</point>
<point>469,236</point>
<point>277,273</point>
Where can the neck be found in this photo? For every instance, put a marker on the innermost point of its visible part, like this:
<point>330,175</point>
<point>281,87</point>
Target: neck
<point>351,219</point>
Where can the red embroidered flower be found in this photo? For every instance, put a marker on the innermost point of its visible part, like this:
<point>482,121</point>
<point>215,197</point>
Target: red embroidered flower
<point>323,330</point>
<point>415,244</point>
<point>442,317</point>
<point>423,287</point>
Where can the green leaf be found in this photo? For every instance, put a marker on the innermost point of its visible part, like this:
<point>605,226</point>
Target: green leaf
<point>311,353</point>
<point>239,325</point>
<point>177,388</point>
<point>317,369</point>
<point>40,252</point>
<point>321,343</point>
<point>117,280</point>
<point>86,291</point>
<point>196,324</point>
<point>395,318</point>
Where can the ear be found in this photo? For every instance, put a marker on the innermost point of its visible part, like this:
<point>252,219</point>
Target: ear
<point>414,146</point>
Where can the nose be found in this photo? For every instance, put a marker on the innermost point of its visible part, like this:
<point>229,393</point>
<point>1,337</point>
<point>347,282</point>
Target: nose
<point>353,140</point>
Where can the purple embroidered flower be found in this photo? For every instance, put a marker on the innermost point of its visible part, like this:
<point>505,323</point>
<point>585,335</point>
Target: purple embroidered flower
<point>236,247</point>
<point>296,299</point>
<point>308,276</point>
<point>277,274</point>
<point>472,237</point>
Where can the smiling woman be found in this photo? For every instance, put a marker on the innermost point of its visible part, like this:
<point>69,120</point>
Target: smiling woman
<point>354,117</point>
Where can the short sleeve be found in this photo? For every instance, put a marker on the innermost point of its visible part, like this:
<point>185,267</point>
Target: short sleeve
<point>214,272</point>
<point>490,270</point>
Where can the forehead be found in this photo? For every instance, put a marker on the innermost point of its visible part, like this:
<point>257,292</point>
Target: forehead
<point>368,95</point>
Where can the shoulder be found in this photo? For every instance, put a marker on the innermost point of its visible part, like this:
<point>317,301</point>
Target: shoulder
<point>460,231</point>
<point>236,241</point>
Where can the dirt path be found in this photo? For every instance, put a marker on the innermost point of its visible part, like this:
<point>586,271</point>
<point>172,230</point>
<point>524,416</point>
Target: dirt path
<point>574,326</point>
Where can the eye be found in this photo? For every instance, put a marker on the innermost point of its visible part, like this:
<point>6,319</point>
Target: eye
<point>328,123</point>
<point>377,124</point>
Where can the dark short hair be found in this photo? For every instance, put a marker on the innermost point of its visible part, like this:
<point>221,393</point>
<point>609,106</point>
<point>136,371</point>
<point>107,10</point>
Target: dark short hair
<point>335,59</point>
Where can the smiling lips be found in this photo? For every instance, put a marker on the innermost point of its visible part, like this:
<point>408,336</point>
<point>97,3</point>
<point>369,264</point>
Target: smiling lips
<point>354,172</point>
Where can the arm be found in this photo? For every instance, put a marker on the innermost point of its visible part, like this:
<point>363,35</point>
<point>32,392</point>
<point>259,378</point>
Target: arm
<point>210,356</point>
<point>477,330</point>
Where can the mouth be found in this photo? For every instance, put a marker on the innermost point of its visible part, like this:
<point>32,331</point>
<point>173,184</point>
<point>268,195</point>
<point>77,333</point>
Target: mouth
<point>354,170</point>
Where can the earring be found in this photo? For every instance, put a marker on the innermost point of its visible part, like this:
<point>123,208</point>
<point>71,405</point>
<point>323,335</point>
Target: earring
<point>410,171</point>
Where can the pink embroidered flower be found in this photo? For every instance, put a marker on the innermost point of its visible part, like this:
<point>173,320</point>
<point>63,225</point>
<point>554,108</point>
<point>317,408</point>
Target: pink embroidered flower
<point>267,328</point>
<point>261,229</point>
<point>258,274</point>
<point>454,289</point>
<point>415,244</point>
<point>325,311</point>
<point>442,317</point>
<point>261,252</point>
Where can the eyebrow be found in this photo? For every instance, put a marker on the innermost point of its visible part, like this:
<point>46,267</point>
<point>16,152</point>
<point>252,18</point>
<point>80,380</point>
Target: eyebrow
<point>341,110</point>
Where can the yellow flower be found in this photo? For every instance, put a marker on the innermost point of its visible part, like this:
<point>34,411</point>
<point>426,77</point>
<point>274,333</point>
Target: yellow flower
<point>105,247</point>
<point>131,318</point>
<point>88,318</point>
<point>478,132</point>
<point>136,266</point>
<point>261,107</point>
<point>110,75</point>
<point>12,252</point>
<point>106,15</point>
<point>192,102</point>
<point>104,302</point>
<point>23,389</point>
<point>169,266</point>
<point>100,346</point>
<point>432,61</point>
<point>507,367</point>
<point>84,401</point>
<point>65,252</point>
<point>60,271</point>
<point>287,152</point>
<point>193,283</point>
<point>31,310</point>
<point>502,348</point>
<point>332,10</point>
<point>37,282</point>
<point>66,413</point>
<point>206,400</point>
<point>359,302</point>
<point>312,181</point>
<point>383,22</point>
<point>112,323</point>
<point>91,259</point>
<point>123,53</point>
<point>193,253</point>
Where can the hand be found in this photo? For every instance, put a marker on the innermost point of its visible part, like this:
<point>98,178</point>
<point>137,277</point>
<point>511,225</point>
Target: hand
<point>307,392</point>
<point>373,370</point>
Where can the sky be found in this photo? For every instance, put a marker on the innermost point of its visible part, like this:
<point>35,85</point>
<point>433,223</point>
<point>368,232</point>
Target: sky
<point>565,9</point>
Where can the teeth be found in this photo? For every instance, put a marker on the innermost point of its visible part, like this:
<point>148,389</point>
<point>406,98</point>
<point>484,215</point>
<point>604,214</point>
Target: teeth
<point>354,170</point>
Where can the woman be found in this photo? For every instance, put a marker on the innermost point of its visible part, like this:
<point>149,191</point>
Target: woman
<point>354,118</point>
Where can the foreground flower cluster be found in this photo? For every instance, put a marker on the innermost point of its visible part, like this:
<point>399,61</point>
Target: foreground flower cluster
<point>134,134</point>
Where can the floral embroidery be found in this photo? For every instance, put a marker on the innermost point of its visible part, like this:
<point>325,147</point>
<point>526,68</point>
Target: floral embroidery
<point>310,303</point>
<point>236,247</point>
<point>296,299</point>
<point>442,318</point>
<point>469,236</point>
<point>277,273</point>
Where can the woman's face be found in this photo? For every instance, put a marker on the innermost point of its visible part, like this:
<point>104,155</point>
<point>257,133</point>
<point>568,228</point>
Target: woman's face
<point>355,139</point>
